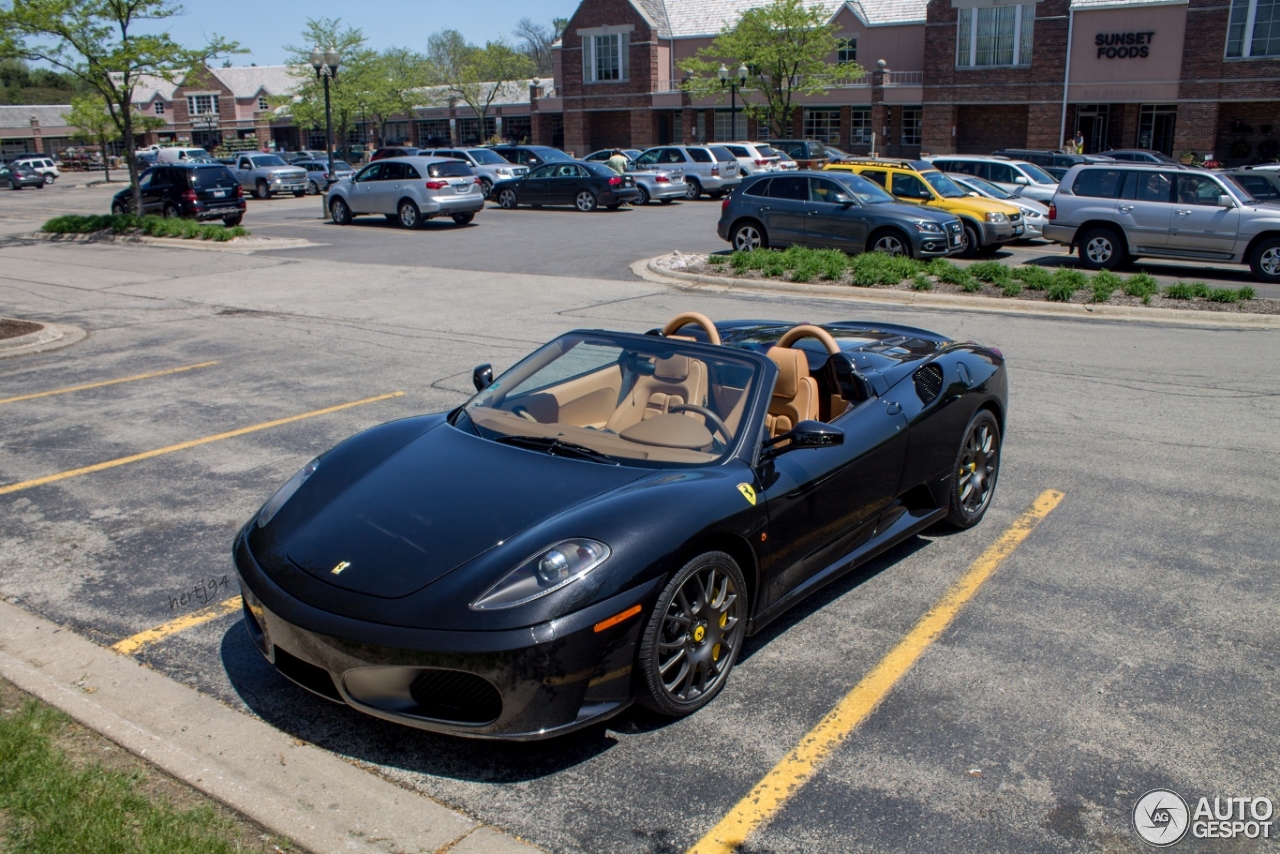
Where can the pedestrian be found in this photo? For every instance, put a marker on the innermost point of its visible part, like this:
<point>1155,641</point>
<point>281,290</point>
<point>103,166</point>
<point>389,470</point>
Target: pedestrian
<point>1078,143</point>
<point>618,162</point>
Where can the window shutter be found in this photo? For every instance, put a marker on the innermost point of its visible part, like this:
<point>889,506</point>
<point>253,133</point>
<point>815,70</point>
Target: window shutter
<point>624,56</point>
<point>588,59</point>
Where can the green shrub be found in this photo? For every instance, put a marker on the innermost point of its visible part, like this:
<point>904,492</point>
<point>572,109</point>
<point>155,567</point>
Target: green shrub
<point>1104,284</point>
<point>1223,295</point>
<point>1187,290</point>
<point>1011,288</point>
<point>717,260</point>
<point>876,268</point>
<point>971,285</point>
<point>945,271</point>
<point>1245,293</point>
<point>1142,285</point>
<point>152,226</point>
<point>1033,278</point>
<point>992,272</point>
<point>829,264</point>
<point>1064,283</point>
<point>921,282</point>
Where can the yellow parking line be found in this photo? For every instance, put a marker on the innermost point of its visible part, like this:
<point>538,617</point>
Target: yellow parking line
<point>133,378</point>
<point>182,446</point>
<point>129,646</point>
<point>797,767</point>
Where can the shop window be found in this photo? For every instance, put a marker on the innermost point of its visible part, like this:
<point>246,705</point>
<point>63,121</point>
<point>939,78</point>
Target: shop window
<point>912,122</point>
<point>725,125</point>
<point>860,126</point>
<point>605,58</point>
<point>994,36</point>
<point>1253,31</point>
<point>822,124</point>
<point>202,105</point>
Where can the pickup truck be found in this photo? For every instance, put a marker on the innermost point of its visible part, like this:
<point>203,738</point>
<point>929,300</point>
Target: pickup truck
<point>267,174</point>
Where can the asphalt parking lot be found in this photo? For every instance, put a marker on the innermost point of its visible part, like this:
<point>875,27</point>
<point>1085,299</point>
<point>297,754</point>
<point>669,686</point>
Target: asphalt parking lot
<point>1128,643</point>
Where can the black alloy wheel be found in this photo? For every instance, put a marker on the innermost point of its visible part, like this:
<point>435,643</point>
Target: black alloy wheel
<point>486,187</point>
<point>463,218</point>
<point>262,191</point>
<point>977,467</point>
<point>642,195</point>
<point>1101,249</point>
<point>170,212</point>
<point>693,636</point>
<point>692,188</point>
<point>585,201</point>
<point>409,215</point>
<point>748,236</point>
<point>507,199</point>
<point>339,211</point>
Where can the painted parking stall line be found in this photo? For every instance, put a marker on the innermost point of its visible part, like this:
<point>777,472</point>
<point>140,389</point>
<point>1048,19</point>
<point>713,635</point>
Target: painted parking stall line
<point>105,383</point>
<point>771,794</point>
<point>132,644</point>
<point>193,443</point>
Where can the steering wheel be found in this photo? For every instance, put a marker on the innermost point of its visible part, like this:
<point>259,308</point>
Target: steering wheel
<point>520,410</point>
<point>804,330</point>
<point>713,420</point>
<point>713,334</point>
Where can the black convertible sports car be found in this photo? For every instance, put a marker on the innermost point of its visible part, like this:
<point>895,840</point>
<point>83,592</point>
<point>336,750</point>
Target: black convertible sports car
<point>606,521</point>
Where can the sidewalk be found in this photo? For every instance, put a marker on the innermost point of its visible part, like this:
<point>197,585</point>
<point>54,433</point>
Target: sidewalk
<point>319,800</point>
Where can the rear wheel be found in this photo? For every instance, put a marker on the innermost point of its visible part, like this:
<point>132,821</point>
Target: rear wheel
<point>507,200</point>
<point>48,179</point>
<point>1264,263</point>
<point>409,215</point>
<point>233,221</point>
<point>486,187</point>
<point>170,212</point>
<point>693,636</point>
<point>890,242</point>
<point>642,195</point>
<point>463,218</point>
<point>585,201</point>
<point>1101,249</point>
<point>748,236</point>
<point>692,188</point>
<point>313,189</point>
<point>976,468</point>
<point>340,212</point>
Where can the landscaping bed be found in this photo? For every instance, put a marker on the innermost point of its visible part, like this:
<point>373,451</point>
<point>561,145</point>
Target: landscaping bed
<point>986,278</point>
<point>149,226</point>
<point>10,328</point>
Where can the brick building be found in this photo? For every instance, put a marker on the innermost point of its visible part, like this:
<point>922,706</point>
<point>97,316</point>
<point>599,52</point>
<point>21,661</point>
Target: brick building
<point>962,76</point>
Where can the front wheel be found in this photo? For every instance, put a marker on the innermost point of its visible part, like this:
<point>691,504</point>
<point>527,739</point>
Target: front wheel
<point>972,242</point>
<point>48,179</point>
<point>890,243</point>
<point>261,190</point>
<point>1101,249</point>
<point>463,218</point>
<point>585,201</point>
<point>748,237</point>
<point>977,466</point>
<point>170,212</point>
<point>693,636</point>
<point>507,200</point>
<point>642,195</point>
<point>118,208</point>
<point>1265,261</point>
<point>409,215</point>
<point>340,212</point>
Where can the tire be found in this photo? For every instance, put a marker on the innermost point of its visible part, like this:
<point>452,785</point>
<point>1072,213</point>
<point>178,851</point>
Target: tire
<point>1101,249</point>
<point>692,188</point>
<point>261,190</point>
<point>486,187</point>
<point>14,185</point>
<point>408,214</point>
<point>972,241</point>
<point>340,212</point>
<point>585,201</point>
<point>717,195</point>
<point>748,236</point>
<point>169,212</point>
<point>890,241</point>
<point>297,194</point>
<point>613,207</point>
<point>232,221</point>
<point>48,179</point>
<point>666,201</point>
<point>119,209</point>
<point>642,195</point>
<point>507,200</point>
<point>463,218</point>
<point>693,636</point>
<point>977,467</point>
<point>313,189</point>
<point>1264,263</point>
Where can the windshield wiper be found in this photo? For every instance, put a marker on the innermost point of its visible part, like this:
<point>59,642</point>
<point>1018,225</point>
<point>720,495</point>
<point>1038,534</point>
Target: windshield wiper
<point>557,448</point>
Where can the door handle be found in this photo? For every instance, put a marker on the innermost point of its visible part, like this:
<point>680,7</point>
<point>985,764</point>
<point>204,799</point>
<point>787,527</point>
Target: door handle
<point>763,209</point>
<point>1183,213</point>
<point>1126,208</point>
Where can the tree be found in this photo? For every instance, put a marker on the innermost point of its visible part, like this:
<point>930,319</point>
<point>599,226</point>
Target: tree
<point>99,42</point>
<point>786,47</point>
<point>95,126</point>
<point>396,80</point>
<point>536,41</point>
<point>474,75</point>
<point>353,96</point>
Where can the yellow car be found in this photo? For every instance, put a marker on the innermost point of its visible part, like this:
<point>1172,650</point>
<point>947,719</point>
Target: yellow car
<point>988,224</point>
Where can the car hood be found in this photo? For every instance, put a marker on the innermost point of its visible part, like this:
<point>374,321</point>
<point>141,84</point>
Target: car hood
<point>440,501</point>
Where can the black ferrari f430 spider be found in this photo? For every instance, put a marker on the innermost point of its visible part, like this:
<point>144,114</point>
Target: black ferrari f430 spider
<point>606,521</point>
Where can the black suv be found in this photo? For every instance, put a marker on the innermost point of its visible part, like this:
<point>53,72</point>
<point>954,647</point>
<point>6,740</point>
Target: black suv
<point>190,190</point>
<point>530,155</point>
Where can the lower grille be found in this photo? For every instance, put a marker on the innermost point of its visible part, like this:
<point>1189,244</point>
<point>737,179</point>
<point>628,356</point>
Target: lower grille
<point>315,679</point>
<point>451,695</point>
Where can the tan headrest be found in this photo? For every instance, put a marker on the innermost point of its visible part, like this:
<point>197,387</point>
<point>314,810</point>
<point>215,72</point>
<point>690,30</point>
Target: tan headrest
<point>792,367</point>
<point>672,369</point>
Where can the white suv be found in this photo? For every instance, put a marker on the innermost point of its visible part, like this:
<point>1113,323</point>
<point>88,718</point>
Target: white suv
<point>755,157</point>
<point>712,169</point>
<point>1014,176</point>
<point>44,165</point>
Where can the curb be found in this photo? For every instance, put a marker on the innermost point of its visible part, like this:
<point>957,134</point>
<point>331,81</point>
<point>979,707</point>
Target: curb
<point>318,800</point>
<point>649,270</point>
<point>259,243</point>
<point>50,337</point>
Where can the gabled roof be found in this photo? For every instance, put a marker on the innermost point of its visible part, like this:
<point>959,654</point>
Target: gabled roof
<point>149,86</point>
<point>691,18</point>
<point>249,80</point>
<point>20,115</point>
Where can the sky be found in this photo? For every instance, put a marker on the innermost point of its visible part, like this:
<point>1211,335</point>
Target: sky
<point>265,27</point>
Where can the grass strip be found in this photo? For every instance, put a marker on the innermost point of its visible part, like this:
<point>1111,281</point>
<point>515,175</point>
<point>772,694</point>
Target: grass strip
<point>151,226</point>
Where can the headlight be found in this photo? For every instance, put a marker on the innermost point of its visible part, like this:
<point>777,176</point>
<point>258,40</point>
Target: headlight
<point>996,216</point>
<point>545,572</point>
<point>504,172</point>
<point>928,227</point>
<point>284,493</point>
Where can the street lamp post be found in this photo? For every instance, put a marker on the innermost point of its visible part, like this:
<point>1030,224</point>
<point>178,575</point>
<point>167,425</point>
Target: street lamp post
<point>326,65</point>
<point>733,86</point>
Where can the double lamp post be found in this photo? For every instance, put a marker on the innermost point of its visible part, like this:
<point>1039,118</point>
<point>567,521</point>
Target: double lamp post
<point>733,86</point>
<point>326,62</point>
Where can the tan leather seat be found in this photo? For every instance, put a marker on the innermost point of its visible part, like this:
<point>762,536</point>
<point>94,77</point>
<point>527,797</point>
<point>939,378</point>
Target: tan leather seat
<point>795,395</point>
<point>677,379</point>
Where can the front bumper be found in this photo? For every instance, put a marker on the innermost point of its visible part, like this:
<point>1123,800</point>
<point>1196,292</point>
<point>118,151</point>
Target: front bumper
<point>288,185</point>
<point>519,684</point>
<point>994,233</point>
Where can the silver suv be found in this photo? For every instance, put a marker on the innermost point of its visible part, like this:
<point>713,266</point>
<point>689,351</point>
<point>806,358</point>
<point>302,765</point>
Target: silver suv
<point>1018,177</point>
<point>490,167</point>
<point>1113,213</point>
<point>707,168</point>
<point>408,190</point>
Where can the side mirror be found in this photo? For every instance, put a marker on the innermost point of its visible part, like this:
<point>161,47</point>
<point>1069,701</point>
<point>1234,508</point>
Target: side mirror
<point>482,377</point>
<point>1022,179</point>
<point>806,434</point>
<point>1225,201</point>
<point>843,200</point>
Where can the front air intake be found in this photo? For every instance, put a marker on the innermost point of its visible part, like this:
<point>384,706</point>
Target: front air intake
<point>452,695</point>
<point>929,383</point>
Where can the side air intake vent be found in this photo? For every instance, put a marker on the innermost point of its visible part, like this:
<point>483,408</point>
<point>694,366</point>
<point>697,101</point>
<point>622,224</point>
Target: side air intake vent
<point>929,383</point>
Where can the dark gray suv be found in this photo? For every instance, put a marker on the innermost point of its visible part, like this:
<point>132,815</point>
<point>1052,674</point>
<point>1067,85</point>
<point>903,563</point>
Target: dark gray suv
<point>833,210</point>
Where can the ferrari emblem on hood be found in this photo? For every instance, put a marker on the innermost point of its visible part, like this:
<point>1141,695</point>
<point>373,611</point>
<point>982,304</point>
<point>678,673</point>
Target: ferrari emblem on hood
<point>337,570</point>
<point>748,493</point>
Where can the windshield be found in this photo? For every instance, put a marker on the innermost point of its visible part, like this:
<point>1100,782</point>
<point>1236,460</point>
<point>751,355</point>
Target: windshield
<point>342,166</point>
<point>268,160</point>
<point>1037,174</point>
<point>986,188</point>
<point>551,155</point>
<point>943,185</point>
<point>866,191</point>
<point>485,157</point>
<point>631,399</point>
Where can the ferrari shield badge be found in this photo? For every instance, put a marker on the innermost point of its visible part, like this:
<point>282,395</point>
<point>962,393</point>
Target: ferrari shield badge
<point>337,570</point>
<point>748,493</point>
